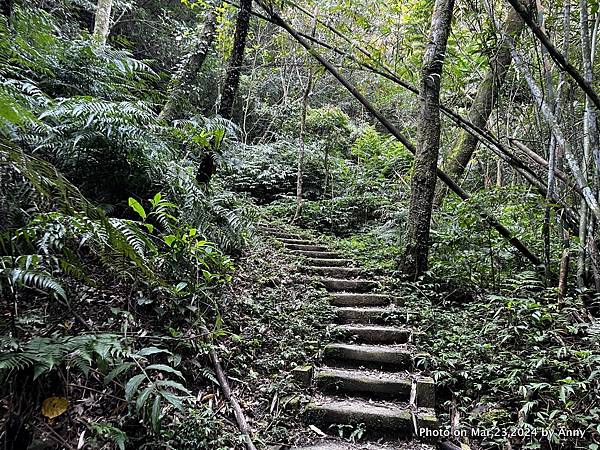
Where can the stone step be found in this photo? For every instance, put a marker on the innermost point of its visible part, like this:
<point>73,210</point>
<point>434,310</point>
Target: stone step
<point>313,254</point>
<point>336,272</point>
<point>379,356</point>
<point>349,299</point>
<point>310,248</point>
<point>331,444</point>
<point>376,384</point>
<point>329,262</point>
<point>353,314</point>
<point>281,234</point>
<point>381,418</point>
<point>297,241</point>
<point>376,334</point>
<point>340,284</point>
<point>373,384</point>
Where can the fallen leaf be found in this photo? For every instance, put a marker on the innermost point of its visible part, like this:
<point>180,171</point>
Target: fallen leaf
<point>81,442</point>
<point>54,406</point>
<point>316,430</point>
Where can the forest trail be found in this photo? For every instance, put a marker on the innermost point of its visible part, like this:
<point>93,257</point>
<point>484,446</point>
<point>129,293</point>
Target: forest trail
<point>367,379</point>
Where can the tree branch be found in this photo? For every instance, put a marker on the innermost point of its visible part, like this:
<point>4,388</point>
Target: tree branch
<point>555,54</point>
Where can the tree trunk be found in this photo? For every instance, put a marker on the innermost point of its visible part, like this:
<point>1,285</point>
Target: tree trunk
<point>301,148</point>
<point>589,142</point>
<point>232,78</point>
<point>192,65</point>
<point>484,102</point>
<point>425,166</point>
<point>564,274</point>
<point>102,21</point>
<point>555,98</point>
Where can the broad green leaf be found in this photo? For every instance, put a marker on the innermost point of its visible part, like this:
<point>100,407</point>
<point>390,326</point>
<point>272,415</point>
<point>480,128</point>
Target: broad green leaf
<point>165,368</point>
<point>132,386</point>
<point>147,351</point>
<point>156,414</point>
<point>133,203</point>
<point>116,372</point>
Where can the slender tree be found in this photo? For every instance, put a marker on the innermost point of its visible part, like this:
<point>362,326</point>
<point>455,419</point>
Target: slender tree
<point>183,81</point>
<point>232,78</point>
<point>554,53</point>
<point>553,171</point>
<point>484,102</point>
<point>559,134</point>
<point>102,20</point>
<point>425,165</point>
<point>301,148</point>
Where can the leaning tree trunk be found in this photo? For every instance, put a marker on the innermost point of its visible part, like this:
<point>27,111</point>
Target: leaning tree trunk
<point>184,79</point>
<point>425,166</point>
<point>102,20</point>
<point>484,102</point>
<point>232,78</point>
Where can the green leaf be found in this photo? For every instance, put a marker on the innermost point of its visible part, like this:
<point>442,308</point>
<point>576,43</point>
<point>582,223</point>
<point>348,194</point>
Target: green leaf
<point>143,398</point>
<point>156,414</point>
<point>165,368</point>
<point>116,372</point>
<point>132,386</point>
<point>172,399</point>
<point>147,351</point>
<point>174,385</point>
<point>156,200</point>
<point>133,203</point>
<point>169,240</point>
<point>181,286</point>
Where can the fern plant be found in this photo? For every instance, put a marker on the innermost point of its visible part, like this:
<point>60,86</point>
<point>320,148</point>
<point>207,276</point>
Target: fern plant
<point>154,388</point>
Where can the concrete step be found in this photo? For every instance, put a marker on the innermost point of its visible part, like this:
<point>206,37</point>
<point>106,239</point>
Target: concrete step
<point>313,254</point>
<point>340,284</point>
<point>329,262</point>
<point>336,272</point>
<point>349,299</point>
<point>373,384</point>
<point>376,334</point>
<point>310,248</point>
<point>383,419</point>
<point>353,314</point>
<point>379,356</point>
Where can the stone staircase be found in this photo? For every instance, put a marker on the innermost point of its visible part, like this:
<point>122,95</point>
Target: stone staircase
<point>368,377</point>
